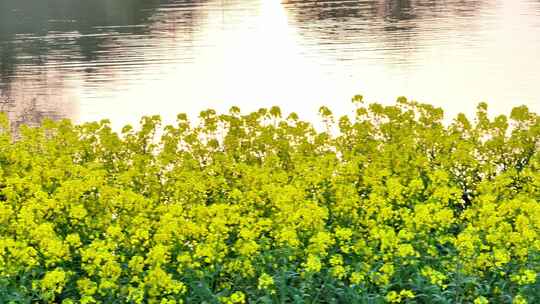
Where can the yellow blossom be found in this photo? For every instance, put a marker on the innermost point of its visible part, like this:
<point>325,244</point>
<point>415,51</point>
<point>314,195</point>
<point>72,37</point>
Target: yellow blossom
<point>313,264</point>
<point>481,300</point>
<point>265,282</point>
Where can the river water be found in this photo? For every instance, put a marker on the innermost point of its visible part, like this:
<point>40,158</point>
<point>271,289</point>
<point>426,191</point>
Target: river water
<point>121,59</point>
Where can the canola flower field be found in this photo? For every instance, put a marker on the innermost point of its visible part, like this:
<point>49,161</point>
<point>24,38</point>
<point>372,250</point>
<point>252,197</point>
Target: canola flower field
<point>391,204</point>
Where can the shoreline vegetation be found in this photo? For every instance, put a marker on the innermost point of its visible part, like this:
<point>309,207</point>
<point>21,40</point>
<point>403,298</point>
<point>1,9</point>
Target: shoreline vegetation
<point>396,206</point>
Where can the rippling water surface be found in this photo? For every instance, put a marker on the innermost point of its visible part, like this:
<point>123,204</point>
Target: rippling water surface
<point>121,59</point>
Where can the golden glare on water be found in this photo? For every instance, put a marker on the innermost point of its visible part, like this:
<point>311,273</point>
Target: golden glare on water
<point>253,62</point>
<point>189,56</point>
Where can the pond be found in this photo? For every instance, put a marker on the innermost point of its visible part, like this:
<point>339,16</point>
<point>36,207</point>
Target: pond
<point>89,60</point>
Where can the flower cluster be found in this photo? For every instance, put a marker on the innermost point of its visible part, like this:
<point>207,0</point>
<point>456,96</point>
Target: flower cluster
<point>393,204</point>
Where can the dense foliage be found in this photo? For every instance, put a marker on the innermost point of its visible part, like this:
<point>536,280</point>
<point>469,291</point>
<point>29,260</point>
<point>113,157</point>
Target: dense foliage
<point>392,204</point>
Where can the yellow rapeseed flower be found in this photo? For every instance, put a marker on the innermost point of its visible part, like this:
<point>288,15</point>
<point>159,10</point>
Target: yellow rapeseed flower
<point>313,264</point>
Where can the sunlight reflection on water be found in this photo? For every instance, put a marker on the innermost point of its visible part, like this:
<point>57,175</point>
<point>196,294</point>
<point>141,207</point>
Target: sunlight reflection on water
<point>121,60</point>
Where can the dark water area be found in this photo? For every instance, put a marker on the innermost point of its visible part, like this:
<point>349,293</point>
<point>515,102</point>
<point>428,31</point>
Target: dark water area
<point>121,59</point>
